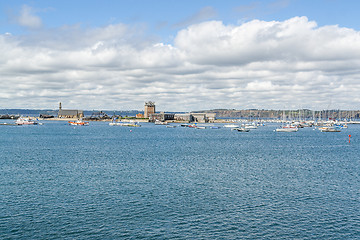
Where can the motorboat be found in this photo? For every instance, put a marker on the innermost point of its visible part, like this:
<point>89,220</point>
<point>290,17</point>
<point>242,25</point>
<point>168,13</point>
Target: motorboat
<point>25,121</point>
<point>330,129</point>
<point>79,122</point>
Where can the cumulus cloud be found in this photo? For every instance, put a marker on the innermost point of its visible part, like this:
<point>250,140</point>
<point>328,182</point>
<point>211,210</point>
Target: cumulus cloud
<point>27,18</point>
<point>257,64</point>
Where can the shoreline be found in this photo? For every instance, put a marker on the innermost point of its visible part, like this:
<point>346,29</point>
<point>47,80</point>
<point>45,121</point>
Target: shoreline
<point>223,121</point>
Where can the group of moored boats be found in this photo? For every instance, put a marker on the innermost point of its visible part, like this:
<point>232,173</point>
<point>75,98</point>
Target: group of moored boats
<point>286,127</point>
<point>246,127</point>
<point>30,121</point>
<point>22,121</point>
<point>243,127</point>
<point>327,127</point>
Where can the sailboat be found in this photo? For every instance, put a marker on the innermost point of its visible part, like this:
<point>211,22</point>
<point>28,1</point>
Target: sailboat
<point>287,127</point>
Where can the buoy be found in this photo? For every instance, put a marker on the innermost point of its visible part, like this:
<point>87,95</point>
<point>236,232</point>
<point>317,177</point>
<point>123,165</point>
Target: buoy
<point>130,130</point>
<point>349,138</point>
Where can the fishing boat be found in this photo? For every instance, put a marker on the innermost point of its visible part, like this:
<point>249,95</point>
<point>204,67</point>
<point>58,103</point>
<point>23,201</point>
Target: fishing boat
<point>25,121</point>
<point>79,122</point>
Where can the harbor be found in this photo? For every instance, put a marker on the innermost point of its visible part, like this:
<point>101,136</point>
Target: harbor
<point>167,180</point>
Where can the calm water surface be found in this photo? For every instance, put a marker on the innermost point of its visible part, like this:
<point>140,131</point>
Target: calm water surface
<point>106,182</point>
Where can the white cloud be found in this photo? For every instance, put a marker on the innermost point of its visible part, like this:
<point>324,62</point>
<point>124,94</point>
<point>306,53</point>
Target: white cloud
<point>259,86</point>
<point>27,18</point>
<point>261,64</point>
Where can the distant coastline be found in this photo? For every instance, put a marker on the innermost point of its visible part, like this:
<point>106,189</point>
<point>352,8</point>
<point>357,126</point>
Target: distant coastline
<point>220,113</point>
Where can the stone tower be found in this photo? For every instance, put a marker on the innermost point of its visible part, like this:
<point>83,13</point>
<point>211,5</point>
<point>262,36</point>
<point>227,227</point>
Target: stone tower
<point>149,109</point>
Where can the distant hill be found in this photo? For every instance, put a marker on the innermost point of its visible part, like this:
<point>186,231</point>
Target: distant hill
<point>27,112</point>
<point>278,114</point>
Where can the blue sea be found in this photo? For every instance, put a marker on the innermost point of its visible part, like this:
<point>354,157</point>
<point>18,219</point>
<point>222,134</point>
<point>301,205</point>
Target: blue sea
<point>109,182</point>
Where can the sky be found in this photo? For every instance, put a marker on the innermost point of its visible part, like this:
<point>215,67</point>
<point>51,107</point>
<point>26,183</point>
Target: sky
<point>183,55</point>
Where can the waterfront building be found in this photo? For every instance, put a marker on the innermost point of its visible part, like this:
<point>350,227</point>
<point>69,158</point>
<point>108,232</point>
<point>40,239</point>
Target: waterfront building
<point>69,113</point>
<point>204,117</point>
<point>184,117</point>
<point>195,117</point>
<point>149,109</point>
<point>161,117</point>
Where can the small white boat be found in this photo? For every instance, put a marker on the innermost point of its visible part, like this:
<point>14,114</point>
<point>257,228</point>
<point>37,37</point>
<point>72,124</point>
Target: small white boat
<point>287,128</point>
<point>250,126</point>
<point>330,129</point>
<point>25,121</point>
<point>231,126</point>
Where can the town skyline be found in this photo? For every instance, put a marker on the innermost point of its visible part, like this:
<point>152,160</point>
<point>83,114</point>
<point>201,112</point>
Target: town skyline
<point>283,54</point>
